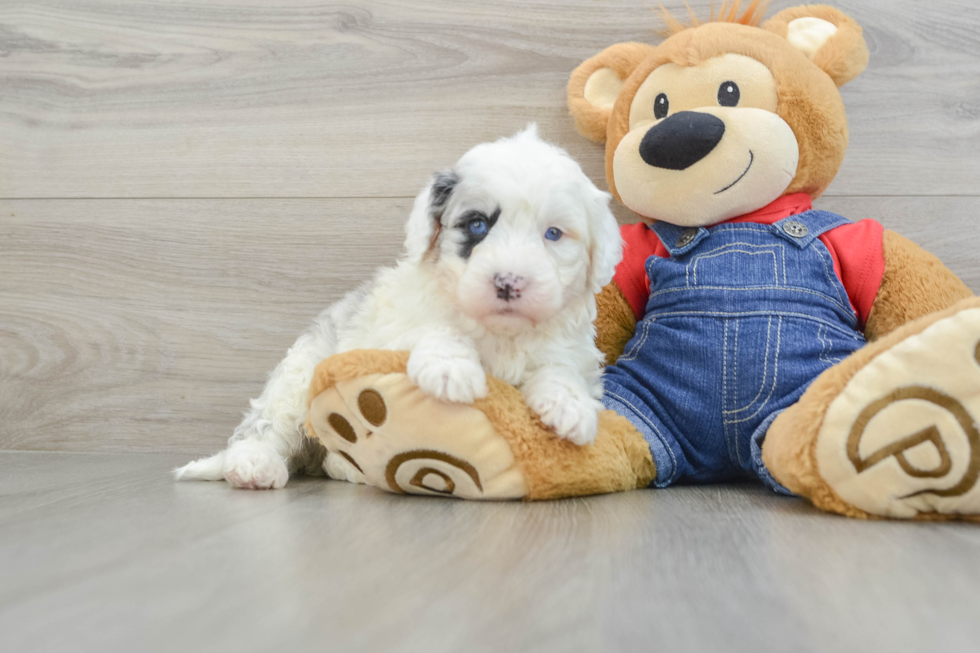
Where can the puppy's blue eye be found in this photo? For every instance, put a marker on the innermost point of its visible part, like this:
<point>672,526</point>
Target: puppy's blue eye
<point>477,227</point>
<point>553,234</point>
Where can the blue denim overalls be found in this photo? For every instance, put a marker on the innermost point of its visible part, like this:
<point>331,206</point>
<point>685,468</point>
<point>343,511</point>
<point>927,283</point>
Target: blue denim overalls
<point>741,318</point>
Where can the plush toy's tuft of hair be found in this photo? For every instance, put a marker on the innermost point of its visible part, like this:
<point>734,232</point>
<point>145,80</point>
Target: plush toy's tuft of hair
<point>727,13</point>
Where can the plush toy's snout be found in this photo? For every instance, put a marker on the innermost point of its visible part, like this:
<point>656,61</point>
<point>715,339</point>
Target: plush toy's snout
<point>680,141</point>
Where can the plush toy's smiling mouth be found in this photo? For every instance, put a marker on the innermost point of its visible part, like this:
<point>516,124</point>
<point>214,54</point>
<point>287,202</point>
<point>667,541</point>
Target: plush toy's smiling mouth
<point>742,176</point>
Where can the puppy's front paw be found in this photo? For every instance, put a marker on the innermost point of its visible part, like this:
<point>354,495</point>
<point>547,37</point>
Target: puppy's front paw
<point>448,377</point>
<point>255,465</point>
<point>566,408</point>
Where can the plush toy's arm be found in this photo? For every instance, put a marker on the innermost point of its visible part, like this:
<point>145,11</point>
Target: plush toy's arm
<point>915,283</point>
<point>615,324</point>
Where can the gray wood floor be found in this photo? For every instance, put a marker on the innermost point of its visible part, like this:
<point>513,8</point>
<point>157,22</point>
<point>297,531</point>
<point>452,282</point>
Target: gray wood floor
<point>184,184</point>
<point>104,553</point>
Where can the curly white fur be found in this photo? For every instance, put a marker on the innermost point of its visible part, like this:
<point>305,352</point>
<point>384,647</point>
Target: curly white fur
<point>511,300</point>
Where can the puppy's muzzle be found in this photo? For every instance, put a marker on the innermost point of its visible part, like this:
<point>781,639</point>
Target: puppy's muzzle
<point>509,286</point>
<point>680,141</point>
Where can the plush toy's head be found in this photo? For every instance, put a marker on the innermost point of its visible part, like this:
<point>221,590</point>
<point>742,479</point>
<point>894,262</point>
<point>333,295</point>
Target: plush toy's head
<point>724,117</point>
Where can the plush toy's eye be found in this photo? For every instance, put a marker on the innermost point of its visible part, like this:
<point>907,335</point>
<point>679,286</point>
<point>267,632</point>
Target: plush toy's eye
<point>661,105</point>
<point>477,227</point>
<point>728,94</point>
<point>554,234</point>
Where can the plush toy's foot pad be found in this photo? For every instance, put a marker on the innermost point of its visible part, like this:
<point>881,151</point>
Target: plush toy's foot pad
<point>901,439</point>
<point>404,441</point>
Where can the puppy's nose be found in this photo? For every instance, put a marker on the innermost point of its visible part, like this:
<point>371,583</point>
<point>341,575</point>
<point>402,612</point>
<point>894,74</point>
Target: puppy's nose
<point>678,142</point>
<point>509,286</point>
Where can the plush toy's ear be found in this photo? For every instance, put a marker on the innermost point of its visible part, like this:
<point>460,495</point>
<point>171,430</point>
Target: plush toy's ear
<point>596,83</point>
<point>425,221</point>
<point>827,36</point>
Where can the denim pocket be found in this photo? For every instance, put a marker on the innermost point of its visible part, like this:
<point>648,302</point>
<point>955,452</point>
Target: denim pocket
<point>751,365</point>
<point>739,265</point>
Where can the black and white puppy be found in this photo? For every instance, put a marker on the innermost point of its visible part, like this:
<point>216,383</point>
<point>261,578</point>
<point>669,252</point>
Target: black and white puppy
<point>504,254</point>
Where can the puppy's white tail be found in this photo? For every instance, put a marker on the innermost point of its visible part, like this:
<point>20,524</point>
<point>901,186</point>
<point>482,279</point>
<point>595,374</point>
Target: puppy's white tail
<point>202,469</point>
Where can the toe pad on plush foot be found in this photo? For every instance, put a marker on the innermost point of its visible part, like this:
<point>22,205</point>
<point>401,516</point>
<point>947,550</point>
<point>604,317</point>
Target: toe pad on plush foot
<point>383,425</point>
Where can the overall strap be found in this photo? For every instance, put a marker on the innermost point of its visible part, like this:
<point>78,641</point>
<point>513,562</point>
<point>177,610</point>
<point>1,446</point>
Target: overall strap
<point>679,240</point>
<point>802,229</point>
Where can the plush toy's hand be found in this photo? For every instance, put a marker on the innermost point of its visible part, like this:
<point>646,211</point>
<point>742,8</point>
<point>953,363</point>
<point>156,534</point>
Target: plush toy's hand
<point>563,403</point>
<point>615,323</point>
<point>449,369</point>
<point>915,283</point>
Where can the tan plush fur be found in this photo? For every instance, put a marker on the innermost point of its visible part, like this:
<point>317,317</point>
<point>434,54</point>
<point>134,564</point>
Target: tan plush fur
<point>615,324</point>
<point>728,12</point>
<point>808,99</point>
<point>789,449</point>
<point>915,284</point>
<point>591,121</point>
<point>619,459</point>
<point>844,56</point>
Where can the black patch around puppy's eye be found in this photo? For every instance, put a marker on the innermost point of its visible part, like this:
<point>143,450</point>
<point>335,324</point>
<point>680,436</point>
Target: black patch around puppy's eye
<point>442,188</point>
<point>475,226</point>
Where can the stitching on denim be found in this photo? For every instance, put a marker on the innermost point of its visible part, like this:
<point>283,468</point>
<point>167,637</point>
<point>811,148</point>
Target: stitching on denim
<point>843,331</point>
<point>635,349</point>
<point>765,370</point>
<point>775,377</point>
<point>824,344</point>
<point>828,345</point>
<point>731,248</point>
<point>724,390</point>
<point>775,262</point>
<point>807,291</point>
<point>656,431</point>
<point>832,279</point>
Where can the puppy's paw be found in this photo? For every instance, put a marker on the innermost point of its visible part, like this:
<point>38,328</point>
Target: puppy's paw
<point>448,377</point>
<point>255,465</point>
<point>566,408</point>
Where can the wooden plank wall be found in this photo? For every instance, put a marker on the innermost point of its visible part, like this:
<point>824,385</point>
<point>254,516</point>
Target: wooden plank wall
<point>184,184</point>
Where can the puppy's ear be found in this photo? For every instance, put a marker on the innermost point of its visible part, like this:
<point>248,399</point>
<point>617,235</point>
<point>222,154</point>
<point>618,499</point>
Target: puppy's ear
<point>596,83</point>
<point>827,36</point>
<point>607,242</point>
<point>425,221</point>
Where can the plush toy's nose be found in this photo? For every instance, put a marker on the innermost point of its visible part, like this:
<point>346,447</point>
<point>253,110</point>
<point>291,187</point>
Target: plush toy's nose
<point>680,141</point>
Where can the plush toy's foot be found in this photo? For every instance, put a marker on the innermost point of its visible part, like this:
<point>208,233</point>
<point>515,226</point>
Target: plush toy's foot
<point>891,431</point>
<point>365,409</point>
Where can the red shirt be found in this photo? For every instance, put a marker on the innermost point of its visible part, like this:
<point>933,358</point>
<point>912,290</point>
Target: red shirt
<point>856,249</point>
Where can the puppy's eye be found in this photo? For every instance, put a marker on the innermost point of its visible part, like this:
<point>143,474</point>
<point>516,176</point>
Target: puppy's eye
<point>477,227</point>
<point>661,106</point>
<point>554,234</point>
<point>728,94</point>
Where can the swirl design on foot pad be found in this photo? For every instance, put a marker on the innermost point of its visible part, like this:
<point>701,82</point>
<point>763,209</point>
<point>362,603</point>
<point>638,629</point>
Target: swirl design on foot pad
<point>419,479</point>
<point>931,434</point>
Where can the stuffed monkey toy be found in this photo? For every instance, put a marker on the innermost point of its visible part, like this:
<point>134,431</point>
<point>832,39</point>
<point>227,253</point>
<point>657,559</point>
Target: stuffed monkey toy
<point>748,335</point>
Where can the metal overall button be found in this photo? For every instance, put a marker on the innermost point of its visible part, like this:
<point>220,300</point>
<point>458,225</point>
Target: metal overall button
<point>795,229</point>
<point>686,238</point>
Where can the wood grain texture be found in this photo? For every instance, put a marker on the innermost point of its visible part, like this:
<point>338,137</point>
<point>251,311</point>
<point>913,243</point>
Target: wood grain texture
<point>145,325</point>
<point>105,553</point>
<point>210,98</point>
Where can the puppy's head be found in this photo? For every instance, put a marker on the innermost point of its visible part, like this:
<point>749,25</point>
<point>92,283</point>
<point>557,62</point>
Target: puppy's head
<point>516,231</point>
